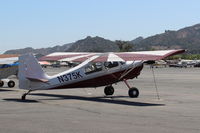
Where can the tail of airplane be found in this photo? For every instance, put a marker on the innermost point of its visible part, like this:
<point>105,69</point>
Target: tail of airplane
<point>31,75</point>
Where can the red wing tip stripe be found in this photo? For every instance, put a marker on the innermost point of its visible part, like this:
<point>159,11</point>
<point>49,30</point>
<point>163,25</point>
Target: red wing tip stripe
<point>9,55</point>
<point>175,52</point>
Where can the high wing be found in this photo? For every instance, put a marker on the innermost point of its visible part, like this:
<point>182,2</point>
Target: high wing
<point>8,58</point>
<point>111,56</point>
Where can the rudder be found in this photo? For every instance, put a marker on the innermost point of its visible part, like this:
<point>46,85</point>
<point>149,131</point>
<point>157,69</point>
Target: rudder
<point>31,74</point>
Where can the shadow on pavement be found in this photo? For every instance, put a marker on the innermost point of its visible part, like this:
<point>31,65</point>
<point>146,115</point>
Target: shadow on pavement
<point>19,100</point>
<point>4,90</point>
<point>111,100</point>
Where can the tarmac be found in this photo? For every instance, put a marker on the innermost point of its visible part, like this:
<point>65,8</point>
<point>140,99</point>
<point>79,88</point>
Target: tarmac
<point>89,111</point>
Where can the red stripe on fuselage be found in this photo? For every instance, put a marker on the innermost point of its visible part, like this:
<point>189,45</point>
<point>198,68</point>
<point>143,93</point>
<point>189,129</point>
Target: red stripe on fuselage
<point>104,80</point>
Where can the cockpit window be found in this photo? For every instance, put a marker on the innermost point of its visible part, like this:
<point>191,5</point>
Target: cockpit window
<point>122,63</point>
<point>94,67</point>
<point>111,64</point>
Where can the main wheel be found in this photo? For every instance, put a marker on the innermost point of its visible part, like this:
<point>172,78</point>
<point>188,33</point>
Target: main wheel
<point>133,92</point>
<point>1,83</point>
<point>109,90</point>
<point>11,84</point>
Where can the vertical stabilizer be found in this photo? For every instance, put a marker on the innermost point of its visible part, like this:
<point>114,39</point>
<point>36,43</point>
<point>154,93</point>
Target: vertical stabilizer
<point>31,74</point>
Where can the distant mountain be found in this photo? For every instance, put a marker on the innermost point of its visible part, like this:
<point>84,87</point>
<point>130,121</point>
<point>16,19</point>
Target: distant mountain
<point>94,44</point>
<point>137,40</point>
<point>186,38</point>
<point>43,51</point>
<point>89,44</point>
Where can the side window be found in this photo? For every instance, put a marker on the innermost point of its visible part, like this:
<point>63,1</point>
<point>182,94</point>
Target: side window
<point>93,67</point>
<point>111,64</point>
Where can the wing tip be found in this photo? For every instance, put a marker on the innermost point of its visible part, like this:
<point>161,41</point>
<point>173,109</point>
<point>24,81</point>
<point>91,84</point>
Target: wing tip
<point>175,52</point>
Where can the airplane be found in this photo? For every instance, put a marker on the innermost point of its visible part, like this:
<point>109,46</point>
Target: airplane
<point>95,70</point>
<point>8,67</point>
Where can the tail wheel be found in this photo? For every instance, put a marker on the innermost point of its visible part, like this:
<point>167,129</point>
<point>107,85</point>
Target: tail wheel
<point>133,92</point>
<point>23,97</point>
<point>11,84</point>
<point>109,90</point>
<point>25,94</point>
<point>1,83</point>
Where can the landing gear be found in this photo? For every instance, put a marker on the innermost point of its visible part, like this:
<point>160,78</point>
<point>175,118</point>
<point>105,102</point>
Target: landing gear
<point>11,84</point>
<point>1,83</point>
<point>133,92</point>
<point>109,90</point>
<point>24,95</point>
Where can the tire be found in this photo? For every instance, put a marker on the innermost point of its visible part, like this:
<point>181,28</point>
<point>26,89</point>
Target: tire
<point>109,90</point>
<point>11,84</point>
<point>1,83</point>
<point>133,92</point>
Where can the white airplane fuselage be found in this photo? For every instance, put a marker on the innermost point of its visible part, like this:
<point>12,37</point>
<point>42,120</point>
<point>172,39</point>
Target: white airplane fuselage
<point>101,77</point>
<point>86,74</point>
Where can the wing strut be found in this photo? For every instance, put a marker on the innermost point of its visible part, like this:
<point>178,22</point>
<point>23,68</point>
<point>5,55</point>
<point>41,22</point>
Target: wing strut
<point>126,72</point>
<point>154,79</point>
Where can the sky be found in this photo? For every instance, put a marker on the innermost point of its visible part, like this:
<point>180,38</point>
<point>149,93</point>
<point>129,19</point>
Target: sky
<point>47,23</point>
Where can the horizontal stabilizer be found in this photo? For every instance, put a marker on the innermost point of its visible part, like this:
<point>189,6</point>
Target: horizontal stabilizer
<point>37,79</point>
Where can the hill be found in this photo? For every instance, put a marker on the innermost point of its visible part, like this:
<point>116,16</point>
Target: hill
<point>89,44</point>
<point>93,44</point>
<point>43,51</point>
<point>186,38</point>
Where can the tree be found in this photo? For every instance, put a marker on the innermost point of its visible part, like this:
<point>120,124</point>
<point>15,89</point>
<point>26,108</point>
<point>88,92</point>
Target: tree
<point>124,46</point>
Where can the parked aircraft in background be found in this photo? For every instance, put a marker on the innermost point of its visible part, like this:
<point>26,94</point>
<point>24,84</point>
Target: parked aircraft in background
<point>8,67</point>
<point>96,69</point>
<point>184,63</point>
<point>44,63</point>
<point>189,63</point>
<point>159,63</point>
